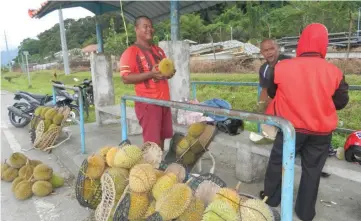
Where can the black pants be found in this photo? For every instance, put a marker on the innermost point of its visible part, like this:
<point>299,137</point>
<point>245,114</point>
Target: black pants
<point>314,151</point>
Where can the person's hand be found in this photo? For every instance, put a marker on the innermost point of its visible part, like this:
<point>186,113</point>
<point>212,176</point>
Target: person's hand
<point>170,76</point>
<point>261,106</point>
<point>156,75</point>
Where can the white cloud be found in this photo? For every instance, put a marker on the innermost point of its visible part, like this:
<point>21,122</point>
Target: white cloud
<point>14,19</point>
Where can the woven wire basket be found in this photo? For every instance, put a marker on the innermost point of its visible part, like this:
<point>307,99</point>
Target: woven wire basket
<point>79,189</point>
<point>193,182</point>
<point>122,208</point>
<point>45,140</point>
<point>104,209</point>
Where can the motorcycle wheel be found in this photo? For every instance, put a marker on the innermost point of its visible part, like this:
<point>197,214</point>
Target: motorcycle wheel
<point>21,122</point>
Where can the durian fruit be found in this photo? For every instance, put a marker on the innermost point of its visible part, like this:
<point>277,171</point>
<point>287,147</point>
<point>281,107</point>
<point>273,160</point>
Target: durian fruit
<point>16,182</point>
<point>196,129</point>
<point>220,210</point>
<point>57,181</point>
<point>159,173</point>
<point>90,187</point>
<point>49,115</point>
<point>103,152</point>
<point>229,195</point>
<point>174,202</point>
<point>120,179</point>
<point>43,172</point>
<point>163,184</point>
<point>142,178</point>
<point>128,156</point>
<point>4,166</point>
<point>153,155</point>
<point>194,212</point>
<point>26,171</point>
<point>178,170</point>
<point>183,145</point>
<point>42,188</point>
<point>47,124</point>
<point>96,166</point>
<point>188,158</point>
<point>57,119</point>
<point>17,160</point>
<point>52,126</point>
<point>254,209</point>
<point>110,156</point>
<point>34,163</point>
<point>150,210</point>
<point>23,190</point>
<point>10,174</point>
<point>38,110</point>
<point>197,148</point>
<point>43,111</point>
<point>166,67</point>
<point>139,203</point>
<point>206,191</point>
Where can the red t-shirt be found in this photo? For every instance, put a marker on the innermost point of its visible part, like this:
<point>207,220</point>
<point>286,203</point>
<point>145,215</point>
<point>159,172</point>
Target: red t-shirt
<point>135,61</point>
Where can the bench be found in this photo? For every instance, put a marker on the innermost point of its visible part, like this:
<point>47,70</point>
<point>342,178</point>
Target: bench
<point>250,159</point>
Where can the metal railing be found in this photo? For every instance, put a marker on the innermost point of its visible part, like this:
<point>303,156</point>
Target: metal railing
<point>288,158</point>
<point>81,111</point>
<point>255,84</point>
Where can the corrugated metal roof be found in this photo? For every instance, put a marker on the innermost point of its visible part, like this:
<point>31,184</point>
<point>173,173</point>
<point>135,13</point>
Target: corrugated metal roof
<point>155,10</point>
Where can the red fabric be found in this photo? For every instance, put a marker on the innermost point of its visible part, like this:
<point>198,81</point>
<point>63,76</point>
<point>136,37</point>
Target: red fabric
<point>128,64</point>
<point>353,139</point>
<point>305,86</point>
<point>156,122</point>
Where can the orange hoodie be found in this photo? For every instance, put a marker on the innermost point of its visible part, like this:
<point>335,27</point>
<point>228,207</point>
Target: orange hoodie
<point>308,90</point>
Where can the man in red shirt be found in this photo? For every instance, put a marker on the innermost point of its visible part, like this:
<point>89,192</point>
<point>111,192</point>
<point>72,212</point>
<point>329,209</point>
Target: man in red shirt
<point>138,66</point>
<point>307,91</point>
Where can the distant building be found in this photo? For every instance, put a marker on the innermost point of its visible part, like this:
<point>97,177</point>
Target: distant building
<point>89,49</point>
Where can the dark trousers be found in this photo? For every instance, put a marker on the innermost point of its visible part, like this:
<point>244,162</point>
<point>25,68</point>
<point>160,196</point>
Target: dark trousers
<point>314,151</point>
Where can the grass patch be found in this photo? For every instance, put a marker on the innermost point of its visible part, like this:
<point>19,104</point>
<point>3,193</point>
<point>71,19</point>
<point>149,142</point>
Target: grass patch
<point>242,98</point>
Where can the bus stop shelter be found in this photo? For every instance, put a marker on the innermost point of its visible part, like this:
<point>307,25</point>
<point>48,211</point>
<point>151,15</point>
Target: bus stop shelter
<point>157,11</point>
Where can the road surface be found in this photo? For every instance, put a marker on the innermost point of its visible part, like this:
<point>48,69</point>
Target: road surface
<point>61,205</point>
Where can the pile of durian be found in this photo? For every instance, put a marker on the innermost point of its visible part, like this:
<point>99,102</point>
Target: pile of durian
<point>29,177</point>
<point>166,193</point>
<point>52,118</point>
<point>189,146</point>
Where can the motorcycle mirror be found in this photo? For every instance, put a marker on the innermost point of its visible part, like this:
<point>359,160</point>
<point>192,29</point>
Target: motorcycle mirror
<point>76,79</point>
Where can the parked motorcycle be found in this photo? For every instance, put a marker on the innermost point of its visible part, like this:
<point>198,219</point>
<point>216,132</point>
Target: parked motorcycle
<point>21,113</point>
<point>88,96</point>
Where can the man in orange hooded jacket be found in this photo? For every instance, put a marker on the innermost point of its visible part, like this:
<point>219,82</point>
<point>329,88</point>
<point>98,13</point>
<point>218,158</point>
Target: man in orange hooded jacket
<point>307,91</point>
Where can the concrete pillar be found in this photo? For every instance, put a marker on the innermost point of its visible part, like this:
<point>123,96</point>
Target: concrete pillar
<point>103,88</point>
<point>179,85</point>
<point>179,52</point>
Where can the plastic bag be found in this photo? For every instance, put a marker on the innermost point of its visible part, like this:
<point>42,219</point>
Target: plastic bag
<point>185,117</point>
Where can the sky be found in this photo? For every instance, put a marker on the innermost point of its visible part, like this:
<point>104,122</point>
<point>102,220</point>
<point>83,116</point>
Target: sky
<point>18,25</point>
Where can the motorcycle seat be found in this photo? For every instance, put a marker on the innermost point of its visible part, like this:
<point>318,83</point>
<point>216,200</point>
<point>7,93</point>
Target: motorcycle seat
<point>36,96</point>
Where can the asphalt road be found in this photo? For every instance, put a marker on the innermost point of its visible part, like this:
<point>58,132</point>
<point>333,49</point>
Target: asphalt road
<point>60,205</point>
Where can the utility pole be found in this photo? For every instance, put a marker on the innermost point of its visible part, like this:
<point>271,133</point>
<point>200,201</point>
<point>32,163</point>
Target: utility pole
<point>26,53</point>
<point>231,33</point>
<point>63,43</point>
<point>7,50</point>
<point>358,24</point>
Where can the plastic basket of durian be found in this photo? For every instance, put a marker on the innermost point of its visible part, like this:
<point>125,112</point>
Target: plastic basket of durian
<point>187,149</point>
<point>29,177</point>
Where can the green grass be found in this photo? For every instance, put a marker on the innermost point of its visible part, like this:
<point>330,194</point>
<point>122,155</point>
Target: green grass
<point>242,98</point>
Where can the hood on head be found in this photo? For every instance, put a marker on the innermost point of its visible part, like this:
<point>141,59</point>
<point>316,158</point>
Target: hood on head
<point>314,39</point>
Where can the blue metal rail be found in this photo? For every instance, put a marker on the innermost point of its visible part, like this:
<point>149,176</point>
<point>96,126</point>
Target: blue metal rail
<point>81,111</point>
<point>288,158</point>
<point>255,84</point>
